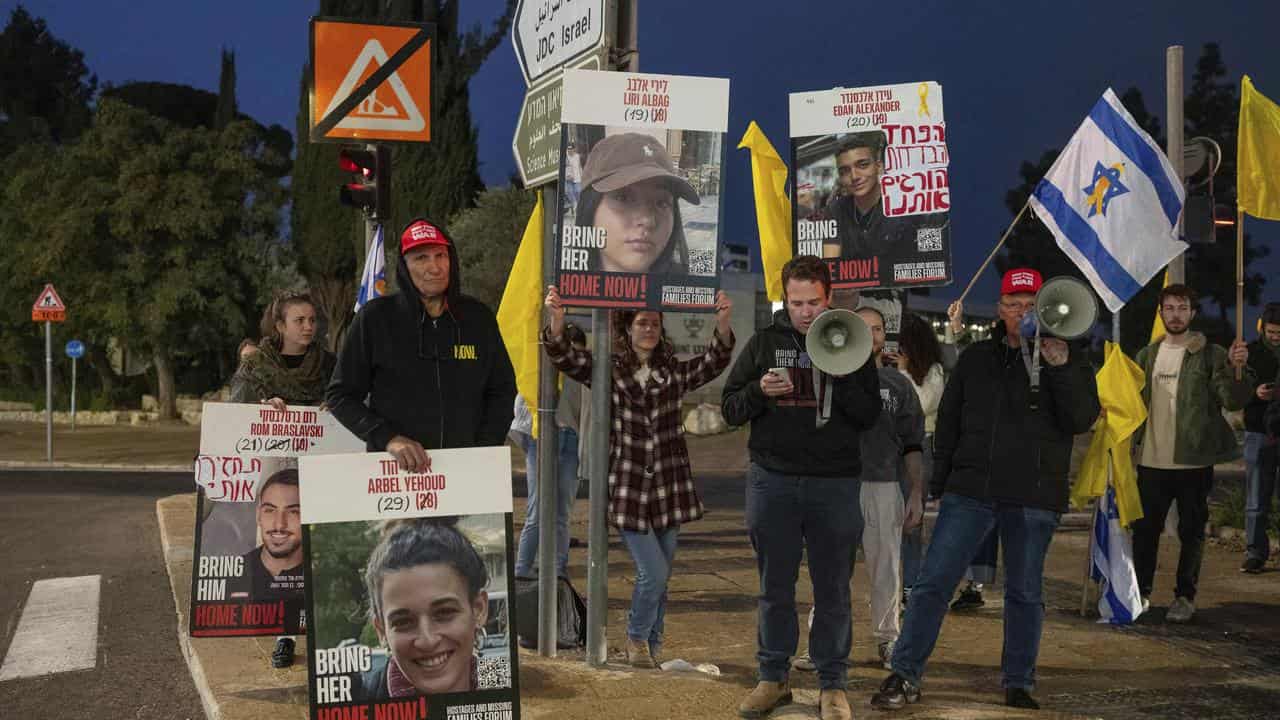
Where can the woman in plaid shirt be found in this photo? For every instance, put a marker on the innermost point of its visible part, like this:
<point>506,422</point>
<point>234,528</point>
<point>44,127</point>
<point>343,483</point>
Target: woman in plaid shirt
<point>651,488</point>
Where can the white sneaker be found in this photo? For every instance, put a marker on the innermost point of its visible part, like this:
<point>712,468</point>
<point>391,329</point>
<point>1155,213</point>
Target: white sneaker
<point>1180,610</point>
<point>1146,603</point>
<point>885,650</point>
<point>804,663</point>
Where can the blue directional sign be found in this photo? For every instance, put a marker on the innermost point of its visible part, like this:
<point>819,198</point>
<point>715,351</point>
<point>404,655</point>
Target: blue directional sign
<point>75,349</point>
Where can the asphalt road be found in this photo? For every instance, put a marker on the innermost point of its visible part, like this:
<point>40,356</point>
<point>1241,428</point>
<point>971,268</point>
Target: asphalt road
<point>70,524</point>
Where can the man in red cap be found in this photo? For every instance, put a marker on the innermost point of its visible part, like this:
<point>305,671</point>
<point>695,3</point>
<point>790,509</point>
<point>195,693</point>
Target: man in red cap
<point>429,359</point>
<point>1002,451</point>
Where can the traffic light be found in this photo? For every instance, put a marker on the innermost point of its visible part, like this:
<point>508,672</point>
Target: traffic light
<point>370,189</point>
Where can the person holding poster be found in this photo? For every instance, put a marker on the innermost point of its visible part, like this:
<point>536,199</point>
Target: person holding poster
<point>429,359</point>
<point>802,488</point>
<point>651,489</point>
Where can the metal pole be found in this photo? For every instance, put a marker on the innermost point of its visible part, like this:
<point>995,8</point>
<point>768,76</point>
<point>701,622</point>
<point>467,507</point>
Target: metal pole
<point>548,452</point>
<point>48,391</point>
<point>73,394</point>
<point>1173,113</point>
<point>597,525</point>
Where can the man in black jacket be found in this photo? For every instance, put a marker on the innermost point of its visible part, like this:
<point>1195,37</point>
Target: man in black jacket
<point>1002,450</point>
<point>430,360</point>
<point>1259,450</point>
<point>802,488</point>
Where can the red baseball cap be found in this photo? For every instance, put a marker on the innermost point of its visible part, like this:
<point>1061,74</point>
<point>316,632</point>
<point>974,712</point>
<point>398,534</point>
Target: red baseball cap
<point>421,232</point>
<point>1020,280</point>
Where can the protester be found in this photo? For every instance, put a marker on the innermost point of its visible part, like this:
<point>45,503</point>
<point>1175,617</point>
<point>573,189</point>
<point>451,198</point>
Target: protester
<point>1189,382</point>
<point>572,175</point>
<point>286,367</point>
<point>630,189</point>
<point>429,359</point>
<point>1002,451</point>
<point>1260,450</point>
<point>651,488</point>
<point>802,488</point>
<point>891,461</point>
<point>428,604</point>
<point>919,358</point>
<point>568,412</point>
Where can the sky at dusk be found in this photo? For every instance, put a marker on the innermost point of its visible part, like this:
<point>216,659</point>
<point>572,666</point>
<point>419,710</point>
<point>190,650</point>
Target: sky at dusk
<point>1017,77</point>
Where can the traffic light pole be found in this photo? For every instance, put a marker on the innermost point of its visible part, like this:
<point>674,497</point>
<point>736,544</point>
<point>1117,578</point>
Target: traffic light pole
<point>370,219</point>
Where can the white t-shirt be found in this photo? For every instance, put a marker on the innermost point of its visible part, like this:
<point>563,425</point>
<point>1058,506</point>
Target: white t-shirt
<point>1162,415</point>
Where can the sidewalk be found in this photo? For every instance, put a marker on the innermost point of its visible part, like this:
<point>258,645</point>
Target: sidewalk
<point>1222,665</point>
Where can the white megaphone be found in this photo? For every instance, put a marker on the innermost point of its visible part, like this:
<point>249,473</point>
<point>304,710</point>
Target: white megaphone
<point>1066,307</point>
<point>838,342</point>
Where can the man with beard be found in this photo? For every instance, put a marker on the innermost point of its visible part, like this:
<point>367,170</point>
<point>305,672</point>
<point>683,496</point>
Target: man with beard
<point>429,359</point>
<point>1189,382</point>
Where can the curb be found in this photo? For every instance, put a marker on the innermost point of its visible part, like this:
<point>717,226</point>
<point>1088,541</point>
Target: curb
<point>198,677</point>
<point>97,467</point>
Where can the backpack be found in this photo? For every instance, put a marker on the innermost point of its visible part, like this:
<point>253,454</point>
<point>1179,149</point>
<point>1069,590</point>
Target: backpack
<point>571,614</point>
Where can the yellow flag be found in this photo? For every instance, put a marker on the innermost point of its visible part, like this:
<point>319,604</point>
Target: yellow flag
<point>1258,154</point>
<point>520,312</point>
<point>1120,390</point>
<point>773,207</point>
<point>1157,328</point>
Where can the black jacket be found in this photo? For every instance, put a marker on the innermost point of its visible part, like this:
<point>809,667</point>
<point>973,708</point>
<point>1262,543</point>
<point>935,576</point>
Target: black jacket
<point>989,443</point>
<point>1262,360</point>
<point>785,437</point>
<point>446,382</point>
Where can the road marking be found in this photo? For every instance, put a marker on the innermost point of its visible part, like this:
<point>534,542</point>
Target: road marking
<point>58,631</point>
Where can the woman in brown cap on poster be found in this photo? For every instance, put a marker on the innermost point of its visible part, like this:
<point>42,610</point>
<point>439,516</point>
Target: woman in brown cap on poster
<point>629,190</point>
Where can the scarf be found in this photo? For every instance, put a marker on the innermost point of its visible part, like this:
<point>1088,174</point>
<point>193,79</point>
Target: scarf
<point>265,374</point>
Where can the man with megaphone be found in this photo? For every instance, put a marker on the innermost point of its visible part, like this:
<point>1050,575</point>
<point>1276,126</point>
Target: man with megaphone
<point>806,412</point>
<point>1002,451</point>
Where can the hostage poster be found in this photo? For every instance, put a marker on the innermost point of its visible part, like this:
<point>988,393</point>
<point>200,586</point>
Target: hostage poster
<point>640,178</point>
<point>408,577</point>
<point>247,565</point>
<point>871,191</point>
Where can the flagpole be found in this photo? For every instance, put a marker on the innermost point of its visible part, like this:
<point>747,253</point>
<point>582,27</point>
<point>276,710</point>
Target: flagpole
<point>995,249</point>
<point>1239,282</point>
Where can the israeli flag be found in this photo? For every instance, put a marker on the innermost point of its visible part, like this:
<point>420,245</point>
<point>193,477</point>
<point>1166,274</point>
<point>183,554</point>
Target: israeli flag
<point>1112,201</point>
<point>1120,602</point>
<point>373,282</point>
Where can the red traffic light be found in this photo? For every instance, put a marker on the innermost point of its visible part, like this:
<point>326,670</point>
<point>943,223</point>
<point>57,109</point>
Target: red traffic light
<point>371,189</point>
<point>354,160</point>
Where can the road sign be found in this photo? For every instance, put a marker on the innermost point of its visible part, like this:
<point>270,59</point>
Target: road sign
<point>537,140</point>
<point>75,349</point>
<point>48,306</point>
<point>548,34</point>
<point>370,82</point>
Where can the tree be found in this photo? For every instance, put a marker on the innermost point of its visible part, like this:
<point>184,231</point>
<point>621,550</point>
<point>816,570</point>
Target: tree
<point>435,179</point>
<point>44,91</point>
<point>487,237</point>
<point>152,225</point>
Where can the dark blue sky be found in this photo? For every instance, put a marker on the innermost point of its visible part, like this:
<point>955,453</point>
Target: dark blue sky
<point>1017,77</point>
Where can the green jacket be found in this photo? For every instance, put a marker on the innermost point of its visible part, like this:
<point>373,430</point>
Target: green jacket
<point>1206,385</point>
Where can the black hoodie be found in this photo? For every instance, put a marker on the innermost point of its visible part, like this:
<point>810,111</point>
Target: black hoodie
<point>785,434</point>
<point>445,382</point>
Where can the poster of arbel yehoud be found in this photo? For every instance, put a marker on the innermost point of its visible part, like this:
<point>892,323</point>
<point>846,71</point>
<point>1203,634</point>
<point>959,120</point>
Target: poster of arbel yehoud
<point>640,179</point>
<point>871,192</point>
<point>247,564</point>
<point>408,576</point>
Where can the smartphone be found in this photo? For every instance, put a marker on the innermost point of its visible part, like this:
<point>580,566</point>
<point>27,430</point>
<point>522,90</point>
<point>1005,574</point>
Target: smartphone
<point>782,373</point>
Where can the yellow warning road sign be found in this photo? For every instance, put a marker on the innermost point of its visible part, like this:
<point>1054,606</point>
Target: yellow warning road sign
<point>370,82</point>
<point>48,307</point>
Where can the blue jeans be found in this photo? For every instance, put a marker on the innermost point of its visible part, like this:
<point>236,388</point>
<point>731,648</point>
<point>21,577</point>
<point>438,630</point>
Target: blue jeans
<point>962,523</point>
<point>565,493</point>
<point>785,515</point>
<point>1260,485</point>
<point>913,540</point>
<point>654,553</point>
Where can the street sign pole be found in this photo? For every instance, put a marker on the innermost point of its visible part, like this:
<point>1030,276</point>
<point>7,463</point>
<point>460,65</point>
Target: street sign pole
<point>73,394</point>
<point>548,453</point>
<point>48,391</point>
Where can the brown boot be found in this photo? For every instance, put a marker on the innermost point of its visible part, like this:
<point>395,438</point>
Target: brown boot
<point>834,705</point>
<point>765,698</point>
<point>638,654</point>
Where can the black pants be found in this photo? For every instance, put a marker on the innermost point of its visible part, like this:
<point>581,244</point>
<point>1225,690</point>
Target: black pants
<point>1159,488</point>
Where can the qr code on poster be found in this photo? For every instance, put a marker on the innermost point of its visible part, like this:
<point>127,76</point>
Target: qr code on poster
<point>493,673</point>
<point>702,262</point>
<point>929,240</point>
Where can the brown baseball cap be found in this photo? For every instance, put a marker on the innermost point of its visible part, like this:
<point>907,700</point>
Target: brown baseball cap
<point>621,160</point>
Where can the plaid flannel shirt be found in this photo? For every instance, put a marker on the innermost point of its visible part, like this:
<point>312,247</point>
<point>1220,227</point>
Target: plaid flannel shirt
<point>650,481</point>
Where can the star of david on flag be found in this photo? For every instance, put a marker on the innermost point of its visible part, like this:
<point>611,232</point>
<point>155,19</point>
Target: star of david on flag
<point>373,281</point>
<point>1112,201</point>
